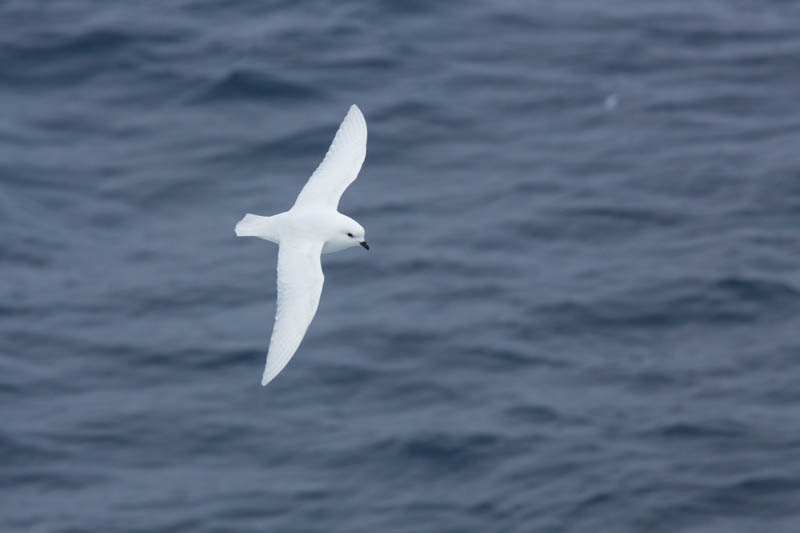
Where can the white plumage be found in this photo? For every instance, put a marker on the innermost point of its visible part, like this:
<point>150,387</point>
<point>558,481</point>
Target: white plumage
<point>311,227</point>
<point>341,164</point>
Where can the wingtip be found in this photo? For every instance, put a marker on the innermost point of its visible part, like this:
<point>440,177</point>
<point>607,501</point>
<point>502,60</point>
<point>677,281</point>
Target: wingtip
<point>356,110</point>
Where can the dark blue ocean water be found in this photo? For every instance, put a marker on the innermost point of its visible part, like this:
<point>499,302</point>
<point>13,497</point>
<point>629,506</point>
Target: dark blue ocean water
<point>580,312</point>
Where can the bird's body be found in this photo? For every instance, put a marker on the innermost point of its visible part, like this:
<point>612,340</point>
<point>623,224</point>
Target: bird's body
<point>311,227</point>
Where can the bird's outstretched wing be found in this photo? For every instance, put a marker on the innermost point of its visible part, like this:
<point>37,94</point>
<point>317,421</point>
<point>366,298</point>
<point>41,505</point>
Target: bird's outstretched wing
<point>300,281</point>
<point>341,164</point>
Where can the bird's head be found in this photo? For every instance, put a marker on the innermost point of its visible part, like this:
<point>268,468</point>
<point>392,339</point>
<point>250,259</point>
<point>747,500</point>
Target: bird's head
<point>346,233</point>
<point>355,234</point>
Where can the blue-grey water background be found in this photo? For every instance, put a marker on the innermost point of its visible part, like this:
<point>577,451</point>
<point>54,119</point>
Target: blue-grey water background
<point>579,313</point>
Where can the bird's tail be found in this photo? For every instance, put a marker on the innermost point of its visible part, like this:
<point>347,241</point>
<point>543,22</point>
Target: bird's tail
<point>257,226</point>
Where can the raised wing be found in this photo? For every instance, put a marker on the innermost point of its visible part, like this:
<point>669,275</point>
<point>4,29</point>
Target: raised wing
<point>341,164</point>
<point>299,286</point>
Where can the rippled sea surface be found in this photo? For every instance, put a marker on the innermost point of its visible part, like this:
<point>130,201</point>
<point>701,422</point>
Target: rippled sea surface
<point>580,313</point>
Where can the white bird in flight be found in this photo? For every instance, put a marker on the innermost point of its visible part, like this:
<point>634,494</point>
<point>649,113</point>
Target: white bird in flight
<point>312,226</point>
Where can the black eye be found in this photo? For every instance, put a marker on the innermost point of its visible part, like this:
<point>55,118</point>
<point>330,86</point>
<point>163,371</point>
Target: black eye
<point>349,234</point>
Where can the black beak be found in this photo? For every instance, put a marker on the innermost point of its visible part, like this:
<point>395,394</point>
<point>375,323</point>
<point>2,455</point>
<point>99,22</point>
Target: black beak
<point>364,244</point>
